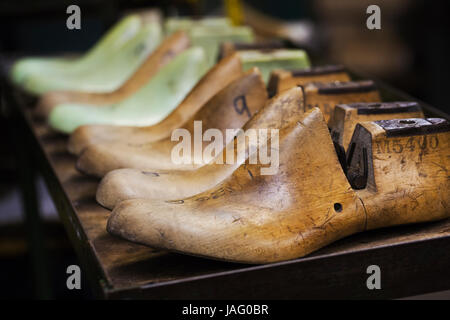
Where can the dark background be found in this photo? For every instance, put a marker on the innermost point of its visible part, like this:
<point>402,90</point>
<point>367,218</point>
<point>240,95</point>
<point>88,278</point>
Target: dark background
<point>410,52</point>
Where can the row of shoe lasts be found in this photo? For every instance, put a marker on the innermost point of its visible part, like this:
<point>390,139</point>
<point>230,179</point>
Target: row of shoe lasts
<point>346,162</point>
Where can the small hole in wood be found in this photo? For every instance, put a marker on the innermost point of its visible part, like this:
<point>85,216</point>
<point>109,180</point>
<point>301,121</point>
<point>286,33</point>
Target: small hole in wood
<point>337,207</point>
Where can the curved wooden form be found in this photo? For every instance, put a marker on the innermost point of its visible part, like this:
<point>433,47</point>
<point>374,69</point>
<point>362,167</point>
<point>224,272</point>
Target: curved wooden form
<point>229,109</point>
<point>253,218</point>
<point>215,80</point>
<point>165,52</point>
<point>309,203</point>
<point>122,184</point>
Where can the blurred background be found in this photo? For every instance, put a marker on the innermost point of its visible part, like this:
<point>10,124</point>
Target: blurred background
<point>410,52</point>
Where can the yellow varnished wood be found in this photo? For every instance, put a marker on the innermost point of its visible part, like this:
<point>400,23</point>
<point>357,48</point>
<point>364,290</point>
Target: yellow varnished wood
<point>407,176</point>
<point>255,218</point>
<point>309,203</point>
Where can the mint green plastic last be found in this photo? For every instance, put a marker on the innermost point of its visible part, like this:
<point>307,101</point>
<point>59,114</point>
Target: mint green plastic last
<point>149,105</point>
<point>209,33</point>
<point>275,59</point>
<point>26,67</point>
<point>108,72</point>
<point>210,38</point>
<point>109,75</point>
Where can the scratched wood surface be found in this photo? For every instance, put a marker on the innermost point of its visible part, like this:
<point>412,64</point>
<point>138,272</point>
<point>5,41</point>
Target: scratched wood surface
<point>122,266</point>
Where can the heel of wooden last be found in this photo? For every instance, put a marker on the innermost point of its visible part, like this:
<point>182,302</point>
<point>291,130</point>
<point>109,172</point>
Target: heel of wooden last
<point>326,95</point>
<point>400,169</point>
<point>283,79</point>
<point>345,117</point>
